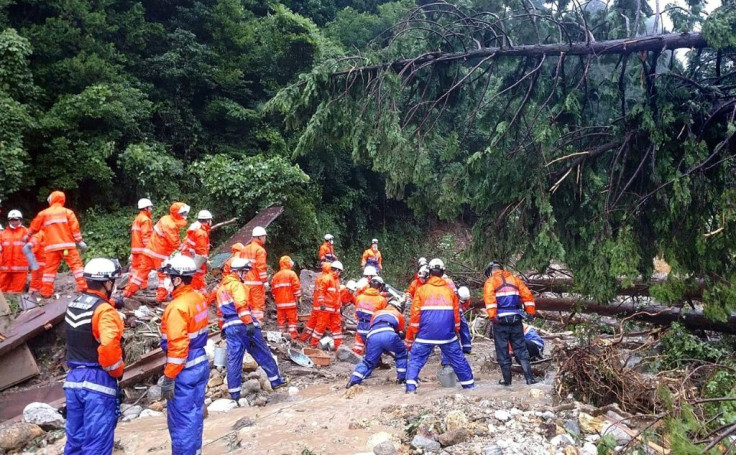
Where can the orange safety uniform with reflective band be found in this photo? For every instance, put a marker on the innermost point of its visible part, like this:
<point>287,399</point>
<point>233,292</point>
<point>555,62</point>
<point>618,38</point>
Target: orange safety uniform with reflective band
<point>164,241</point>
<point>346,297</point>
<point>286,290</point>
<point>366,306</point>
<point>198,242</point>
<point>414,285</point>
<point>371,257</point>
<point>61,233</point>
<point>257,276</point>
<point>327,293</point>
<point>140,234</point>
<point>232,302</point>
<point>236,250</point>
<point>184,329</point>
<point>503,290</point>
<point>313,315</point>
<point>37,243</point>
<point>327,252</point>
<point>107,328</point>
<point>13,263</point>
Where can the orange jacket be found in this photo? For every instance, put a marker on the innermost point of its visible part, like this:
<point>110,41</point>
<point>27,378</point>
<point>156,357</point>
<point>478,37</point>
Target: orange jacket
<point>367,303</point>
<point>327,292</point>
<point>435,313</point>
<point>60,225</point>
<point>285,285</point>
<point>12,258</point>
<point>235,250</point>
<point>184,323</point>
<point>232,301</point>
<point>140,232</point>
<point>413,286</point>
<point>38,242</point>
<point>391,312</point>
<point>346,297</point>
<point>372,256</point>
<point>165,237</point>
<point>327,252</point>
<point>504,294</point>
<point>198,240</point>
<point>256,253</point>
<point>107,328</point>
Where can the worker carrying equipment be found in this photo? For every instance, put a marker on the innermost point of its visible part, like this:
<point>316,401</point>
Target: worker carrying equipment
<point>94,355</point>
<point>163,243</point>
<point>242,331</point>
<point>13,261</point>
<point>435,321</point>
<point>140,234</point>
<point>258,276</point>
<point>287,292</point>
<point>366,306</point>
<point>507,299</point>
<point>183,338</point>
<point>384,337</point>
<point>373,257</point>
<point>62,235</point>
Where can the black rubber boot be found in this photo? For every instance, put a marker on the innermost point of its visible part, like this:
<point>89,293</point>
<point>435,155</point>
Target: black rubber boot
<point>528,375</point>
<point>506,373</point>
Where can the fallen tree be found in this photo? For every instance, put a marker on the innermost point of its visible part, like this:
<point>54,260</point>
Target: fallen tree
<point>639,288</point>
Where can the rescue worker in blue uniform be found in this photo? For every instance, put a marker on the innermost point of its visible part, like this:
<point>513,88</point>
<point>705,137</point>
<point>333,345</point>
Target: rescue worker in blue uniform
<point>184,335</point>
<point>465,338</point>
<point>242,330</point>
<point>534,344</point>
<point>385,335</point>
<point>94,354</point>
<point>435,321</point>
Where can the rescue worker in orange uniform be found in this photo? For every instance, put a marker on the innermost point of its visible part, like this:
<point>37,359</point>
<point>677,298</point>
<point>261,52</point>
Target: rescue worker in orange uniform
<point>364,283</point>
<point>94,330</point>
<point>327,294</point>
<point>347,293</point>
<point>140,234</point>
<point>257,278</point>
<point>507,299</point>
<point>183,338</point>
<point>419,279</point>
<point>316,304</point>
<point>373,257</point>
<point>35,249</point>
<point>366,305</point>
<point>327,250</point>
<point>163,242</point>
<point>287,291</point>
<point>13,263</point>
<point>198,244</point>
<point>435,321</point>
<point>242,331</point>
<point>61,231</point>
<point>236,249</point>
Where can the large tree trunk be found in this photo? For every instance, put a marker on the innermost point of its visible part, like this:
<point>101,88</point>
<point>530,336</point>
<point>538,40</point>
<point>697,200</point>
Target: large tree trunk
<point>640,288</point>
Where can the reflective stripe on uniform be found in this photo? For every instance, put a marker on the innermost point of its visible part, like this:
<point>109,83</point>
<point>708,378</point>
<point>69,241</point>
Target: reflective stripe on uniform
<point>382,329</point>
<point>114,366</point>
<point>91,386</point>
<point>196,361</point>
<point>426,341</point>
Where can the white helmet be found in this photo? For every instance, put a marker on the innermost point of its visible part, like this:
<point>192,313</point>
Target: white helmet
<point>337,265</point>
<point>179,265</point>
<point>14,214</point>
<point>258,231</point>
<point>463,293</point>
<point>436,264</point>
<point>184,210</point>
<point>329,237</point>
<point>370,270</point>
<point>102,269</point>
<point>422,262</point>
<point>352,285</point>
<point>241,264</point>
<point>204,215</point>
<point>423,272</point>
<point>144,203</point>
<point>374,241</point>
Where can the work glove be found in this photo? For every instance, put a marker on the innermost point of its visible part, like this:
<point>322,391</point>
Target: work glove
<point>82,246</point>
<point>402,335</point>
<point>267,286</point>
<point>250,329</point>
<point>223,334</point>
<point>167,388</point>
<point>119,302</point>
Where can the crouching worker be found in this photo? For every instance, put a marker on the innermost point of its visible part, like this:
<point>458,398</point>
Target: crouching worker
<point>534,344</point>
<point>242,331</point>
<point>95,359</point>
<point>386,335</point>
<point>184,336</point>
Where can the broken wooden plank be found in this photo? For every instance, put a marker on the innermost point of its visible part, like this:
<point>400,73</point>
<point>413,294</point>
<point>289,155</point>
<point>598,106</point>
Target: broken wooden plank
<point>263,218</point>
<point>13,403</point>
<point>19,364</point>
<point>31,323</point>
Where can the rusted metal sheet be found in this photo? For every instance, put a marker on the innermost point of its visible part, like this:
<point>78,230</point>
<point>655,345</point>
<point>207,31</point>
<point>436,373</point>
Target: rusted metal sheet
<point>263,218</point>
<point>33,322</point>
<point>17,366</point>
<point>13,403</point>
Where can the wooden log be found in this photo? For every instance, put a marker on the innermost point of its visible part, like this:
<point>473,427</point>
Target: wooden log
<point>639,288</point>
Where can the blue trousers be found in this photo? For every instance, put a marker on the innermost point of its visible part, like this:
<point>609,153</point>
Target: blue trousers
<point>90,415</point>
<point>378,344</point>
<point>466,341</point>
<point>420,353</point>
<point>237,343</point>
<point>185,412</point>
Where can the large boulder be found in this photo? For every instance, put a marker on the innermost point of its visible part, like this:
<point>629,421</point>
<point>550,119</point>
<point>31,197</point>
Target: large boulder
<point>43,415</point>
<point>18,435</point>
<point>222,405</point>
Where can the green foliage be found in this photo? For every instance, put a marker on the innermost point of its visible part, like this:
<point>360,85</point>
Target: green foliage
<point>718,29</point>
<point>147,165</point>
<point>606,445</point>
<point>680,344</point>
<point>102,232</point>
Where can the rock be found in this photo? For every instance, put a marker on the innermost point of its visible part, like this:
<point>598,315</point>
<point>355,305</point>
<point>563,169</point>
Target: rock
<point>17,435</point>
<point>572,427</point>
<point>222,405</point>
<point>456,420</point>
<point>485,404</point>
<point>251,386</point>
<point>157,406</point>
<point>43,415</point>
<point>378,438</point>
<point>385,448</point>
<point>548,415</point>
<point>260,401</point>
<point>537,393</point>
<point>249,363</point>
<point>214,381</point>
<point>426,444</point>
<point>452,437</point>
<point>344,354</point>
<point>352,391</point>
<point>617,432</point>
<point>207,401</point>
<point>131,410</point>
<point>493,450</point>
<point>502,415</point>
<point>590,424</point>
<point>153,393</point>
<point>515,412</point>
<point>589,449</point>
<point>243,403</point>
<point>150,413</point>
<point>562,440</point>
<point>293,391</point>
<point>263,380</point>
<point>570,450</point>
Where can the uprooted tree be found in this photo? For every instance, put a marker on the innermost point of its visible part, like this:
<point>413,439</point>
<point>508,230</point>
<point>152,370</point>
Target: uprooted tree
<point>562,130</point>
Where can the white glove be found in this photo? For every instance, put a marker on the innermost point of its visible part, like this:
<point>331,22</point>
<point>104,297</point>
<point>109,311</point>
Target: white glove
<point>267,286</point>
<point>82,246</point>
